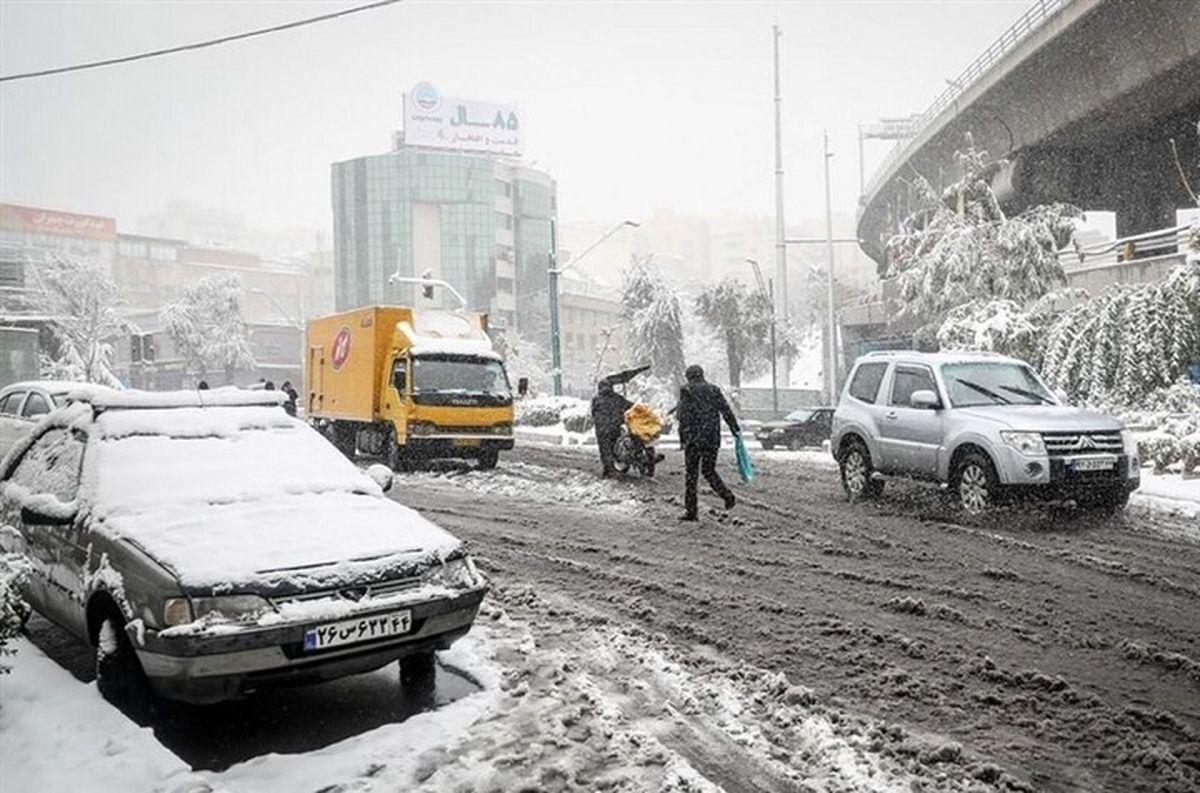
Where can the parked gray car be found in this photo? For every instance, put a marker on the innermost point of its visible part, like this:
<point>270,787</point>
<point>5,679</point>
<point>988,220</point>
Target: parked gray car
<point>985,425</point>
<point>210,545</point>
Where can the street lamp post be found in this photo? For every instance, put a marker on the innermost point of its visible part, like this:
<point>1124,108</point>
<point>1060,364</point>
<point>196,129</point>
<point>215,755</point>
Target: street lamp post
<point>769,291</point>
<point>831,375</point>
<point>554,271</point>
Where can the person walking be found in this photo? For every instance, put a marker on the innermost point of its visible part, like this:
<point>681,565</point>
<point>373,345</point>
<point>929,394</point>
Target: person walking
<point>608,416</point>
<point>701,408</point>
<point>289,407</point>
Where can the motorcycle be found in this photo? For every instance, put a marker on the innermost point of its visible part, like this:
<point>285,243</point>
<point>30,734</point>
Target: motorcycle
<point>635,446</point>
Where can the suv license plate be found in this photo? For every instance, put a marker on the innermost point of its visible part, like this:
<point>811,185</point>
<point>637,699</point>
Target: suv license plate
<point>1094,463</point>
<point>363,629</point>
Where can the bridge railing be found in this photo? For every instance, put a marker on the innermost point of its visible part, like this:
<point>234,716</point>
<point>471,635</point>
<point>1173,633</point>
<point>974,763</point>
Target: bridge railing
<point>1031,20</point>
<point>1172,241</point>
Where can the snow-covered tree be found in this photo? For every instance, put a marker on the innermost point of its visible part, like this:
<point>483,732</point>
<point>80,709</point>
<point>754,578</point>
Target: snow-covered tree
<point>525,358</point>
<point>14,568</point>
<point>206,325</point>
<point>654,324</point>
<point>960,246</point>
<point>84,308</point>
<point>1126,342</point>
<point>990,326</point>
<point>742,321</point>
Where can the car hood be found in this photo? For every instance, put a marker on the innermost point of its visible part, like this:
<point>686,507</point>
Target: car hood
<point>779,425</point>
<point>1041,418</point>
<point>286,542</point>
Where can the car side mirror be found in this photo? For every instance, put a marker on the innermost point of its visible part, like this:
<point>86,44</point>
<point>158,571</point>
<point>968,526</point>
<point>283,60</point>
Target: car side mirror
<point>382,476</point>
<point>522,386</point>
<point>924,399</point>
<point>37,517</point>
<point>1061,396</point>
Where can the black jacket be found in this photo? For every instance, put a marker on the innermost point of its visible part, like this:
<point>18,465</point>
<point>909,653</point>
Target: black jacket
<point>608,412</point>
<point>701,408</point>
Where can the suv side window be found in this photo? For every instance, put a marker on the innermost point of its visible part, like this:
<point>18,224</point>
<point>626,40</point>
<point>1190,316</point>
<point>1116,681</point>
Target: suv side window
<point>51,465</point>
<point>867,377</point>
<point>908,379</point>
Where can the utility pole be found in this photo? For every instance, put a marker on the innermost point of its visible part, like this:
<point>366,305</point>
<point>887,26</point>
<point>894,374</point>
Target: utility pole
<point>831,373</point>
<point>555,342</point>
<point>781,308</point>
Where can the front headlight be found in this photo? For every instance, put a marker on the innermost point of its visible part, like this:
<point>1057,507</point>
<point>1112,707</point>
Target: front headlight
<point>176,611</point>
<point>1027,443</point>
<point>455,574</point>
<point>422,428</point>
<point>232,608</point>
<point>1129,441</point>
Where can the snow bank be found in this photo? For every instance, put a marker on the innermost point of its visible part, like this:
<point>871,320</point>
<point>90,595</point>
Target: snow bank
<point>1170,493</point>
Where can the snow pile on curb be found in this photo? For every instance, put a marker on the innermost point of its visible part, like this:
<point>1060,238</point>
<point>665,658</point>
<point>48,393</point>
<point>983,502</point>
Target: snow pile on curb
<point>540,485</point>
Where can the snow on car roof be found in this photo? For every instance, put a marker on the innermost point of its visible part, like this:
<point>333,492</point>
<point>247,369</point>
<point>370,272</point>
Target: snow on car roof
<point>940,357</point>
<point>51,386</point>
<point>230,396</point>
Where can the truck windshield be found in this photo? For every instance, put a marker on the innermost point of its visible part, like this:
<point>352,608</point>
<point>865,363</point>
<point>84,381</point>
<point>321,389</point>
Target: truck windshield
<point>998,383</point>
<point>445,374</point>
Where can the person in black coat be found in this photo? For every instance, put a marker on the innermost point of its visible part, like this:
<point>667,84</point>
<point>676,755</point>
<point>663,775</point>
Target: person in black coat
<point>701,408</point>
<point>608,416</point>
<point>292,396</point>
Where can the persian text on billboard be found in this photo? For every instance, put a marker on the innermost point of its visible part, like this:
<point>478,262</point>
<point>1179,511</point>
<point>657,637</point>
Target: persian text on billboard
<point>446,122</point>
<point>66,224</point>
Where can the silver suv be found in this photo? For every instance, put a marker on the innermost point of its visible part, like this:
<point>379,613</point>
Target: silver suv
<point>984,424</point>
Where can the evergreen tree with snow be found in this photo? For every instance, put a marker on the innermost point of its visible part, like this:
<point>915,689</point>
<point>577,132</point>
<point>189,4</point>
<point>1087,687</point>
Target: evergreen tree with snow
<point>207,327</point>
<point>960,246</point>
<point>654,319</point>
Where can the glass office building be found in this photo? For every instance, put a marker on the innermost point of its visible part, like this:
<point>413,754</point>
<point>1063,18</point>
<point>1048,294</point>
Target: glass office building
<point>482,224</point>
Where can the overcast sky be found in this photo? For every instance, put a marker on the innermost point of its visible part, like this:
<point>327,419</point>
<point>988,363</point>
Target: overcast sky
<point>631,106</point>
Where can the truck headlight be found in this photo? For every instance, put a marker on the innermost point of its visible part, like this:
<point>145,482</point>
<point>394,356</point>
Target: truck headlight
<point>422,428</point>
<point>1027,443</point>
<point>456,574</point>
<point>1129,441</point>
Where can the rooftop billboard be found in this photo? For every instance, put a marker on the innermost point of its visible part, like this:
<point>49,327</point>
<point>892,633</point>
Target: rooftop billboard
<point>445,122</point>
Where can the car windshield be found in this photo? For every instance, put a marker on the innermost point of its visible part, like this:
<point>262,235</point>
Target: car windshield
<point>459,374</point>
<point>799,415</point>
<point>993,383</point>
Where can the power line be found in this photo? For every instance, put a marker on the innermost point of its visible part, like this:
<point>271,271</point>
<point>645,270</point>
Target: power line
<point>200,44</point>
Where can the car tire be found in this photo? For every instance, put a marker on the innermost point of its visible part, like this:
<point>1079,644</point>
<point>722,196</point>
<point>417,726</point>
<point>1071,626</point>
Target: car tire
<point>1109,502</point>
<point>795,444</point>
<point>488,458</point>
<point>119,674</point>
<point>857,472</point>
<point>418,670</point>
<point>975,483</point>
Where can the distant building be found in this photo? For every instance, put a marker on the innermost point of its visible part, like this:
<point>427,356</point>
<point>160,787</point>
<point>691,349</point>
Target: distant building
<point>479,222</point>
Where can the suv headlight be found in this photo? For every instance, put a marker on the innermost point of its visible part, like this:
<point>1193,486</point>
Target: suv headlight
<point>456,574</point>
<point>1027,443</point>
<point>1129,441</point>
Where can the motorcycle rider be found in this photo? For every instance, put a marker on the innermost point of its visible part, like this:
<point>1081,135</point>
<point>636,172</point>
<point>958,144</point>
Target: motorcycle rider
<point>608,416</point>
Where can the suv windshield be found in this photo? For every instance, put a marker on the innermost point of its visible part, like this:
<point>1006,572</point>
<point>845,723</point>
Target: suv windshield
<point>459,375</point>
<point>993,383</point>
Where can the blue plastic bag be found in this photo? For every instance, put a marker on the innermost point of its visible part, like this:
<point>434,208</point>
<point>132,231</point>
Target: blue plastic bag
<point>744,464</point>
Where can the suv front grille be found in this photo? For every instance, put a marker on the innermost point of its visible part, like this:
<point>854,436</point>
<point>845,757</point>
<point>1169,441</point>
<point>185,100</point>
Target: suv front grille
<point>1061,444</point>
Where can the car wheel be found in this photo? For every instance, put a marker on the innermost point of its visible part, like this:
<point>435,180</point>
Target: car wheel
<point>418,670</point>
<point>795,444</point>
<point>488,459</point>
<point>976,483</point>
<point>119,674</point>
<point>857,472</point>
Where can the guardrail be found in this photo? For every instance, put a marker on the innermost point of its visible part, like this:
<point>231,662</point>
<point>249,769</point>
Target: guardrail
<point>1030,21</point>
<point>1168,241</point>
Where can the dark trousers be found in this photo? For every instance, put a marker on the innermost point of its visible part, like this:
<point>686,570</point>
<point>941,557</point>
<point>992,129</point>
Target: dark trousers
<point>701,460</point>
<point>607,441</point>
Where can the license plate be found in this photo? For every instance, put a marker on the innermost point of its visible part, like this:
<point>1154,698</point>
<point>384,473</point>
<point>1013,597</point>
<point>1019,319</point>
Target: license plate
<point>467,442</point>
<point>1094,464</point>
<point>363,629</point>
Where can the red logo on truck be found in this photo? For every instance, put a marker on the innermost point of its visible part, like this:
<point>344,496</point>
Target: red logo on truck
<point>341,348</point>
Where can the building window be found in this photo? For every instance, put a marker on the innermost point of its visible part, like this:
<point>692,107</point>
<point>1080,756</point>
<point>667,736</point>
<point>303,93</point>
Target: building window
<point>504,220</point>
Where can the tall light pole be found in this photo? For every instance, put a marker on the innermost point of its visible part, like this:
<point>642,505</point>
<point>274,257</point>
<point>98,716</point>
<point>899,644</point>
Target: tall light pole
<point>780,246</point>
<point>769,291</point>
<point>831,373</point>
<point>554,271</point>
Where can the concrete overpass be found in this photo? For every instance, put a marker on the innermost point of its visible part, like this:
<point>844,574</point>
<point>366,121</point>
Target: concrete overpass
<point>1082,97</point>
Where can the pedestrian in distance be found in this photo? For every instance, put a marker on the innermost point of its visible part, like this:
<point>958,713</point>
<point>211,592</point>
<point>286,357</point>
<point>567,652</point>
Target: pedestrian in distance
<point>270,386</point>
<point>292,396</point>
<point>608,417</point>
<point>202,385</point>
<point>700,410</point>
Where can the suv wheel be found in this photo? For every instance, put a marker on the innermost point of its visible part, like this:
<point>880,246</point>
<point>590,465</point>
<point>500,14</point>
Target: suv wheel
<point>976,483</point>
<point>857,472</point>
<point>119,674</point>
<point>795,444</point>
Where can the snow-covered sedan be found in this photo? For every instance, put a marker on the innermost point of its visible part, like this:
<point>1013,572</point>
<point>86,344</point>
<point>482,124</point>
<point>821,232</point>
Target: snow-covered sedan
<point>209,545</point>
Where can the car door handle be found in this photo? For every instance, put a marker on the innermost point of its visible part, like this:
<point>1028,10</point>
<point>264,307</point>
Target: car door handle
<point>892,415</point>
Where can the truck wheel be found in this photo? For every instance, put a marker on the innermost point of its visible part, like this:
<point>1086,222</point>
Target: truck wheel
<point>488,459</point>
<point>858,473</point>
<point>976,483</point>
<point>341,436</point>
<point>119,674</point>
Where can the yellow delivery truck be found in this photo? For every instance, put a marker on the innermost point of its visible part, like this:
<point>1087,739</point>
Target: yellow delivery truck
<point>408,383</point>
